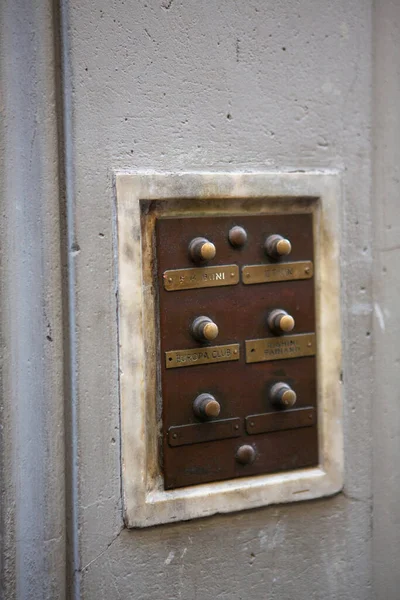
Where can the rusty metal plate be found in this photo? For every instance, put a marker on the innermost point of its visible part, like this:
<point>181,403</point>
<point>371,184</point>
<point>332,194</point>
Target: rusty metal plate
<point>278,348</point>
<point>277,272</point>
<point>278,421</point>
<point>204,432</point>
<point>201,356</point>
<point>200,277</point>
<point>241,313</point>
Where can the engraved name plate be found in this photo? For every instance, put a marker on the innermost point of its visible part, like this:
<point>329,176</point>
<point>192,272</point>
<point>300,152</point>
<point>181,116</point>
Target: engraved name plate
<point>201,277</point>
<point>201,356</point>
<point>278,348</point>
<point>277,272</point>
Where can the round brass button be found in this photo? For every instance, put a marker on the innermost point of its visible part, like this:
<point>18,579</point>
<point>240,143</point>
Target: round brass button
<point>210,331</point>
<point>201,250</point>
<point>203,329</point>
<point>283,395</point>
<point>276,246</point>
<point>283,247</point>
<point>205,406</point>
<point>279,321</point>
<point>212,409</point>
<point>286,323</point>
<point>207,251</point>
<point>237,236</point>
<point>245,455</point>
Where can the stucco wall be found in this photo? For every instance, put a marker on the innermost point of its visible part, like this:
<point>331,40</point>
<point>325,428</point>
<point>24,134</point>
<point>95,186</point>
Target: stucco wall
<point>176,85</point>
<point>32,501</point>
<point>386,355</point>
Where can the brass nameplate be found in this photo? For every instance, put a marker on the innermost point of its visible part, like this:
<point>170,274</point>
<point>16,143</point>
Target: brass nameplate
<point>201,356</point>
<point>196,433</point>
<point>201,277</point>
<point>277,348</point>
<point>277,272</point>
<point>280,421</point>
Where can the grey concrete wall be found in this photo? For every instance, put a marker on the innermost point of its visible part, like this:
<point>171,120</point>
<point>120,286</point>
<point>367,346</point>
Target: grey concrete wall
<point>33,541</point>
<point>183,84</point>
<point>386,405</point>
<point>187,84</point>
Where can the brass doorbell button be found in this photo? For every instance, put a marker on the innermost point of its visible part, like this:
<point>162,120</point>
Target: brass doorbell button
<point>283,395</point>
<point>245,455</point>
<point>279,321</point>
<point>201,250</point>
<point>206,407</point>
<point>203,329</point>
<point>237,236</point>
<point>277,246</point>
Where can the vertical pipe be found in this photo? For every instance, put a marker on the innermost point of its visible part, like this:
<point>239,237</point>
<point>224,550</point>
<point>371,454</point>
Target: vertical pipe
<point>32,437</point>
<point>73,564</point>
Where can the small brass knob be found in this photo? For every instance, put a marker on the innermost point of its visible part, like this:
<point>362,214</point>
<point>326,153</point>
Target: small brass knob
<point>283,395</point>
<point>279,321</point>
<point>245,455</point>
<point>237,236</point>
<point>276,246</point>
<point>205,406</point>
<point>203,329</point>
<point>201,250</point>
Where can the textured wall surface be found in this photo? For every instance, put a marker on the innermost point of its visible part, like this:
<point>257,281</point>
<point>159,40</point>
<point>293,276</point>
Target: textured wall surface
<point>172,85</point>
<point>32,528</point>
<point>386,412</point>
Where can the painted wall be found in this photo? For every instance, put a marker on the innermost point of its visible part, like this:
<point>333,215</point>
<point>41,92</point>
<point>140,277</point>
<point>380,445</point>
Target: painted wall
<point>32,486</point>
<point>177,85</point>
<point>174,85</point>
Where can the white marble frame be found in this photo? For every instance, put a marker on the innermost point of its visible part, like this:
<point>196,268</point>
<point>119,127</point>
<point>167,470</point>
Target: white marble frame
<point>145,501</point>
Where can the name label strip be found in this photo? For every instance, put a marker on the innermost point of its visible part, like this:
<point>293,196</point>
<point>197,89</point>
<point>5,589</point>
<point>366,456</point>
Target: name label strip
<point>278,348</point>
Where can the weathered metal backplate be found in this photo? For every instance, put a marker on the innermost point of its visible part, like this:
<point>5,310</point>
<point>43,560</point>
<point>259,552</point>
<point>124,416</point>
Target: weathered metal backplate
<point>280,420</point>
<point>282,347</point>
<point>240,312</point>
<point>200,277</point>
<point>201,356</point>
<point>278,272</point>
<point>196,433</point>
